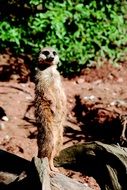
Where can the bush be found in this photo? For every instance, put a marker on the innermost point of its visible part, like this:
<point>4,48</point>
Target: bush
<point>82,31</point>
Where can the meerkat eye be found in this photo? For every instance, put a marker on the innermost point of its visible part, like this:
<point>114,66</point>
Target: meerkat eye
<point>54,53</point>
<point>46,53</point>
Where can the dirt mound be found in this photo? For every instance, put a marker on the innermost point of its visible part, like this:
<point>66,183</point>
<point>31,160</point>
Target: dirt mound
<point>95,101</point>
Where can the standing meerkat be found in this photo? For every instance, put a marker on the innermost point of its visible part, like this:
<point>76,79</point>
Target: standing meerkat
<point>50,106</point>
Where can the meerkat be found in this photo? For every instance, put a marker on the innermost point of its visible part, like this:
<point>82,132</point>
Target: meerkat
<point>50,106</point>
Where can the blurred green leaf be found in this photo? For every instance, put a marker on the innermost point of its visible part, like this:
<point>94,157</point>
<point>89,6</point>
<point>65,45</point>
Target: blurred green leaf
<point>82,31</point>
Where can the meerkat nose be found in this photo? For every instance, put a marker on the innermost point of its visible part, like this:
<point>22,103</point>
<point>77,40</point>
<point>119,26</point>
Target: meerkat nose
<point>51,58</point>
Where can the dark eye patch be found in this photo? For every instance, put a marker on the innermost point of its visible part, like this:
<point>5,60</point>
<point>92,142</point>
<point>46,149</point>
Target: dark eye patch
<point>54,53</point>
<point>46,53</point>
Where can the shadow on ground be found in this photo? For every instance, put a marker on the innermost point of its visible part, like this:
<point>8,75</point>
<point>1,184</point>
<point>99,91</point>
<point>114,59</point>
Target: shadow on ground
<point>17,173</point>
<point>95,123</point>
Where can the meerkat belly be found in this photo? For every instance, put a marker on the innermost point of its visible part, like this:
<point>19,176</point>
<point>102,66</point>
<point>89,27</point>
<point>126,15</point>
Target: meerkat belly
<point>56,107</point>
<point>52,96</point>
<point>58,96</point>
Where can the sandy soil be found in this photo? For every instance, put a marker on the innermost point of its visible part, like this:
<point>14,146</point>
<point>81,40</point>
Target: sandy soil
<point>95,100</point>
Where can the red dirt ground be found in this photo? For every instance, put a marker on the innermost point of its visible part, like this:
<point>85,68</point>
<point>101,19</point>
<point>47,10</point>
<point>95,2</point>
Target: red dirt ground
<point>96,96</point>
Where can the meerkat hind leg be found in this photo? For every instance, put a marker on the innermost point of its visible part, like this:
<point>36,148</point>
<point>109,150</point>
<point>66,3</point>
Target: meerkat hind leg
<point>51,164</point>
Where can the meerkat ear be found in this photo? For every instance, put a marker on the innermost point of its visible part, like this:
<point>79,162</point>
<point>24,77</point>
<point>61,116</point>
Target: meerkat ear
<point>59,63</point>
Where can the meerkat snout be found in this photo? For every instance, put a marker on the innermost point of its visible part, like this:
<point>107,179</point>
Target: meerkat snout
<point>48,56</point>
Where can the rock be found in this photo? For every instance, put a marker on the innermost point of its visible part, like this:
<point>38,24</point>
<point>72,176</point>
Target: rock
<point>106,163</point>
<point>57,181</point>
<point>18,173</point>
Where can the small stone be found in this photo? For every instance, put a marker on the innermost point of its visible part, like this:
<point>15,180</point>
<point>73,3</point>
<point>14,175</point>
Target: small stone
<point>28,97</point>
<point>120,80</point>
<point>92,97</point>
<point>7,137</point>
<point>5,118</point>
<point>2,126</point>
<point>80,81</point>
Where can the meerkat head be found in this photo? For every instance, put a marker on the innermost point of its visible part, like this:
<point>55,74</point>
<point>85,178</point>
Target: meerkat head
<point>47,57</point>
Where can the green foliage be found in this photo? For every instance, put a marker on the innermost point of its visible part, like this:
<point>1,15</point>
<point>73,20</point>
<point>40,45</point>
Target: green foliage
<point>81,30</point>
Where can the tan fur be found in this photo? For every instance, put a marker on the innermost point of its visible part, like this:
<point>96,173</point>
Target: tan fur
<point>50,111</point>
